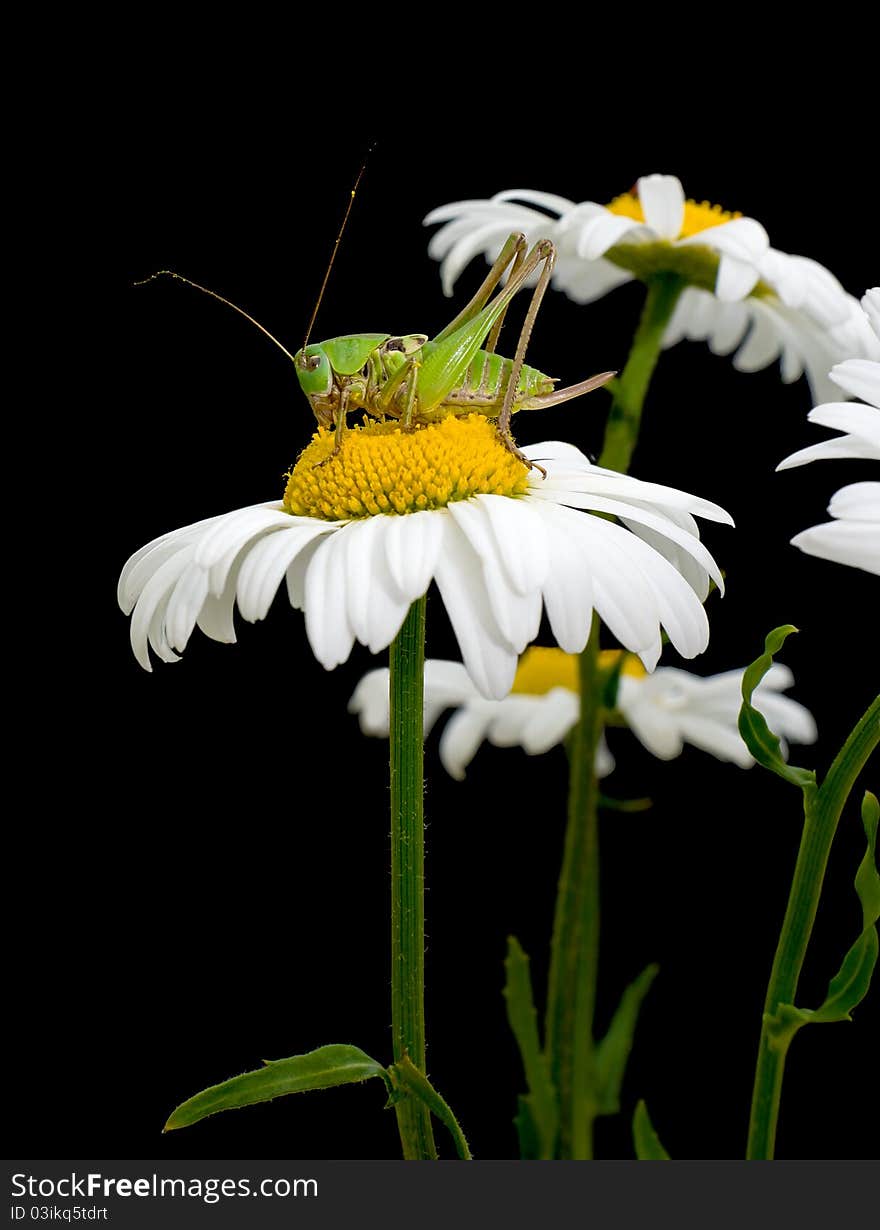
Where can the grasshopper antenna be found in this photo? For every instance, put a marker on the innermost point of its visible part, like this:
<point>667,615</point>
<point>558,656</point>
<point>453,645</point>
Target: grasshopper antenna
<point>336,244</point>
<point>169,273</point>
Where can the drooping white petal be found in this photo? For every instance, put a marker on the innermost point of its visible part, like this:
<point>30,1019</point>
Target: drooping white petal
<point>520,539</point>
<point>568,585</point>
<point>412,543</point>
<point>517,615</point>
<point>184,604</point>
<point>662,201</point>
<point>459,742</point>
<point>489,658</point>
<point>235,529</point>
<point>621,592</point>
<point>268,560</point>
<point>154,594</point>
<point>632,511</point>
<point>216,616</point>
<point>330,633</point>
<point>140,566</point>
<point>546,725</point>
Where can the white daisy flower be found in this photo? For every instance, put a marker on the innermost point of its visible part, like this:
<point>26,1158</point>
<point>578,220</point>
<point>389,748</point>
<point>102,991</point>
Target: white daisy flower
<point>361,534</point>
<point>853,537</point>
<point>533,722</point>
<point>664,710</point>
<point>741,296</point>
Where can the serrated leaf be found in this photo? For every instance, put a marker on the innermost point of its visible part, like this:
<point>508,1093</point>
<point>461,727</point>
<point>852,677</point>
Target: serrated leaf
<point>757,735</point>
<point>613,1051</point>
<point>647,1142</point>
<point>323,1068</point>
<point>406,1076</point>
<point>540,1104</point>
<point>849,986</point>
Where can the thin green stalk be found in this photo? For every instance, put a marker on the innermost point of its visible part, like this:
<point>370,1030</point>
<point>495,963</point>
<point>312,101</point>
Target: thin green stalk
<point>575,944</point>
<point>820,825</point>
<point>625,415</point>
<point>407,662</point>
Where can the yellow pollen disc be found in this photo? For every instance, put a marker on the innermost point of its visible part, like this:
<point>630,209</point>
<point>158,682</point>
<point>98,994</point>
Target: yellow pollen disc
<point>380,468</point>
<point>541,669</point>
<point>698,216</point>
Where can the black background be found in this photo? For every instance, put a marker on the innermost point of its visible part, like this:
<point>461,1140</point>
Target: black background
<point>200,868</point>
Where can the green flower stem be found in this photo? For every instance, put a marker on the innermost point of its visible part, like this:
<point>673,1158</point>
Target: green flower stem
<point>575,944</point>
<point>407,662</point>
<point>625,415</point>
<point>820,825</point>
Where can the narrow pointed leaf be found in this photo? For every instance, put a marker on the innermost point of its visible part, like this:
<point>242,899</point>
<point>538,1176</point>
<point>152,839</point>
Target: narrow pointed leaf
<point>320,1069</point>
<point>406,1076</point>
<point>645,1139</point>
<point>849,986</point>
<point>538,1119</point>
<point>613,1051</point>
<point>758,737</point>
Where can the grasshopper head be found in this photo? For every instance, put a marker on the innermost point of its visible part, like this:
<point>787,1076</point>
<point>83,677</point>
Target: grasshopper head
<point>314,371</point>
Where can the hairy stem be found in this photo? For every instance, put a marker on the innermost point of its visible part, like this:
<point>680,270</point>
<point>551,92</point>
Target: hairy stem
<point>407,662</point>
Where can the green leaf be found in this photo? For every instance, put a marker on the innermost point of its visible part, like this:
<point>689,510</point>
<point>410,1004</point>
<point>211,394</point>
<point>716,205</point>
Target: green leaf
<point>645,1139</point>
<point>538,1119</point>
<point>613,1051</point>
<point>320,1069</point>
<point>758,736</point>
<point>849,986</point>
<point>406,1076</point>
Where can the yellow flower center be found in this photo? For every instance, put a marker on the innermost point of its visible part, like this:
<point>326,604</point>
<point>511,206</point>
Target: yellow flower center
<point>380,468</point>
<point>698,216</point>
<point>541,669</point>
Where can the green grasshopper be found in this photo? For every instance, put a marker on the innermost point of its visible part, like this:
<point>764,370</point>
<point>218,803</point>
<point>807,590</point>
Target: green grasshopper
<point>417,380</point>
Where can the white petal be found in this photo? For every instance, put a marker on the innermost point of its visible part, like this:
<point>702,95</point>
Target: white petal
<point>568,586</point>
<point>662,201</point>
<point>464,733</point>
<point>736,279</point>
<point>658,522</point>
<point>545,200</point>
<point>412,543</point>
<point>520,538</point>
<point>234,530</point>
<point>743,239</point>
<point>490,660</point>
<point>516,615</point>
<point>548,723</point>
<point>184,605</point>
<point>854,543</point>
<point>330,634</point>
<point>860,377</point>
<point>154,597</point>
<point>857,502</point>
<point>599,234</point>
<point>266,563</point>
